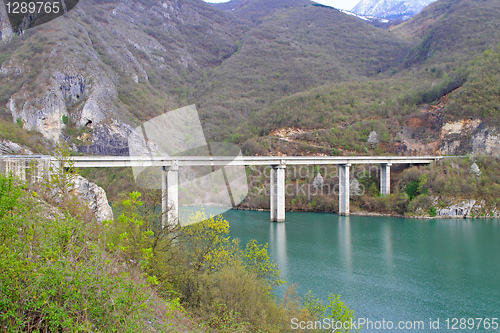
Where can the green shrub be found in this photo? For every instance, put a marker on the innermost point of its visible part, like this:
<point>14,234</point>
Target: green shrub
<point>55,275</point>
<point>335,309</point>
<point>433,211</point>
<point>9,195</point>
<point>257,261</point>
<point>422,203</point>
<point>417,187</point>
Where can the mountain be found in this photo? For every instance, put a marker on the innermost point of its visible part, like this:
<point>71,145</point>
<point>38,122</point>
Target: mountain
<point>451,31</point>
<point>443,98</point>
<point>106,66</point>
<point>252,67</point>
<point>390,9</point>
<point>256,10</point>
<point>293,48</point>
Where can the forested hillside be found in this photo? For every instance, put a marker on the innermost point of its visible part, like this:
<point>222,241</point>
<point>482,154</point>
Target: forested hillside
<point>449,74</point>
<point>292,50</point>
<point>253,67</point>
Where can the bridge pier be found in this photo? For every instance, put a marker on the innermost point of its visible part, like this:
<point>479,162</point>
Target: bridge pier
<point>344,189</point>
<point>278,193</point>
<point>33,169</point>
<point>16,166</point>
<point>385,179</point>
<point>170,195</point>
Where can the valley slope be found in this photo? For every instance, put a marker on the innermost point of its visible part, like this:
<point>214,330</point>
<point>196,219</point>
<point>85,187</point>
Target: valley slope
<point>253,67</point>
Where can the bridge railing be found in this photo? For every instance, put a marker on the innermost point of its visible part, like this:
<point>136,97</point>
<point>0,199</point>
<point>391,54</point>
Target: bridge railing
<point>33,168</point>
<point>134,161</point>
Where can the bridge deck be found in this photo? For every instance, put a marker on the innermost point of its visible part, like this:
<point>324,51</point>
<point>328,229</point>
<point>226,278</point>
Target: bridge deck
<point>125,161</point>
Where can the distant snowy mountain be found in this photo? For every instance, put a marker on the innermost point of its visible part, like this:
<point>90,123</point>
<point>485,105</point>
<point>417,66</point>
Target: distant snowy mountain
<point>390,9</point>
<point>371,19</point>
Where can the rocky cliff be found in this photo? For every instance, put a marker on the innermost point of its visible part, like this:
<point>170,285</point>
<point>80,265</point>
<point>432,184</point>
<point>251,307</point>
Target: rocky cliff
<point>453,208</point>
<point>8,147</point>
<point>89,193</point>
<point>470,136</point>
<point>95,197</point>
<point>5,28</point>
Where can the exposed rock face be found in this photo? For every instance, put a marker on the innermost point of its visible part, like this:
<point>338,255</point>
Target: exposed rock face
<point>11,148</point>
<point>469,136</point>
<point>460,127</point>
<point>458,209</point>
<point>453,134</point>
<point>73,87</point>
<point>486,142</point>
<point>42,114</point>
<point>95,197</point>
<point>450,148</point>
<point>5,28</point>
<point>90,104</point>
<point>467,208</point>
<point>110,139</point>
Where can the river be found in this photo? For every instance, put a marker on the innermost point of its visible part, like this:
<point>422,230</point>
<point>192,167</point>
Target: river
<point>385,268</point>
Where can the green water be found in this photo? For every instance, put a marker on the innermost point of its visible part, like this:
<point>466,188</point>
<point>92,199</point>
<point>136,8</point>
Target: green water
<point>386,268</point>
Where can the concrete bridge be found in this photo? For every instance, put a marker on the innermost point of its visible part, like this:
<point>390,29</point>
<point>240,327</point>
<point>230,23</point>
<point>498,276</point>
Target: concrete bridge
<point>170,172</point>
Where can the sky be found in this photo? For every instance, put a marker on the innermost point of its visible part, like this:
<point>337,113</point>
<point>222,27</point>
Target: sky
<point>339,4</point>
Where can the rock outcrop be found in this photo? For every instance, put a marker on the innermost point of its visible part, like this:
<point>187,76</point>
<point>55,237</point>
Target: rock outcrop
<point>5,28</point>
<point>456,208</point>
<point>8,147</point>
<point>95,197</point>
<point>110,139</point>
<point>43,114</point>
<point>469,136</point>
<point>72,99</point>
<point>88,192</point>
<point>486,141</point>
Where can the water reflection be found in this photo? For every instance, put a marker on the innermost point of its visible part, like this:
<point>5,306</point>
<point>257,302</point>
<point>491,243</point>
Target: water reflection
<point>277,245</point>
<point>345,242</point>
<point>388,248</point>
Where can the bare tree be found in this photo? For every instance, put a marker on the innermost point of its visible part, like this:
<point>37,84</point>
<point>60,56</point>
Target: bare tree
<point>474,170</point>
<point>318,181</point>
<point>372,139</point>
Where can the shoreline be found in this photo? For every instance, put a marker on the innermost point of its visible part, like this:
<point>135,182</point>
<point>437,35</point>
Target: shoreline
<point>376,214</point>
